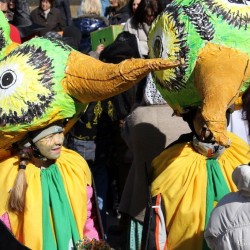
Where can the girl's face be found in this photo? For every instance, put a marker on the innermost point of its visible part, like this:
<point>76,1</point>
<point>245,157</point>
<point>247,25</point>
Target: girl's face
<point>11,4</point>
<point>135,5</point>
<point>150,16</point>
<point>113,3</point>
<point>50,146</point>
<point>45,5</point>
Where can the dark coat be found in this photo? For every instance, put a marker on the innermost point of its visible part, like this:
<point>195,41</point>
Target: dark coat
<point>54,21</point>
<point>21,15</point>
<point>64,7</point>
<point>120,16</point>
<point>88,24</point>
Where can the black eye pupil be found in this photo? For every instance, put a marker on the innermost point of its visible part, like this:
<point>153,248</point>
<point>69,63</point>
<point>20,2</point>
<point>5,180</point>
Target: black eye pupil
<point>7,79</point>
<point>157,47</point>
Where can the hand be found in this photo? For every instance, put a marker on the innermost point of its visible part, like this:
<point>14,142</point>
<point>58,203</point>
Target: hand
<point>100,48</point>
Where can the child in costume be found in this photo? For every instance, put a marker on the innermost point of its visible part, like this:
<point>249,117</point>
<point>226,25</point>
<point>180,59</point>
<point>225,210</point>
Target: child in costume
<point>43,82</point>
<point>52,191</point>
<point>192,175</point>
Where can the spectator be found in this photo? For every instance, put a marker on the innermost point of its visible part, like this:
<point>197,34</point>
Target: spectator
<point>11,5</point>
<point>90,19</point>
<point>228,225</point>
<point>48,16</point>
<point>238,125</point>
<point>14,32</point>
<point>5,9</point>
<point>140,23</point>
<point>20,18</point>
<point>30,31</point>
<point>64,7</point>
<point>94,134</point>
<point>72,36</point>
<point>134,5</point>
<point>147,130</point>
<point>104,4</point>
<point>118,12</point>
<point>21,13</point>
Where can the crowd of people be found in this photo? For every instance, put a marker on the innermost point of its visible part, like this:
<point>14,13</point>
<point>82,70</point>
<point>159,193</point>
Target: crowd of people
<point>121,148</point>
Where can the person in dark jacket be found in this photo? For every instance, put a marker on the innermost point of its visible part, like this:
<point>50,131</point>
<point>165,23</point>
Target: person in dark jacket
<point>119,12</point>
<point>96,135</point>
<point>48,16</point>
<point>64,7</point>
<point>21,13</point>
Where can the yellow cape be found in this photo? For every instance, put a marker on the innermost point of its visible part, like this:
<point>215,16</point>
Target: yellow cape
<point>180,176</point>
<point>27,227</point>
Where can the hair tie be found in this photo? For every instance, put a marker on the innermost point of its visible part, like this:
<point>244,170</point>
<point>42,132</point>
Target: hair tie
<point>22,166</point>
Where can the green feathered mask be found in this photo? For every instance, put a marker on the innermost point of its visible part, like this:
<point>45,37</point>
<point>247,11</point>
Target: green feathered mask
<point>212,37</point>
<point>43,81</point>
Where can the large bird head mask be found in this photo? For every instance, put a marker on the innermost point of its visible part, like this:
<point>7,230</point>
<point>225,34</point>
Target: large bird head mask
<point>212,36</point>
<point>43,81</point>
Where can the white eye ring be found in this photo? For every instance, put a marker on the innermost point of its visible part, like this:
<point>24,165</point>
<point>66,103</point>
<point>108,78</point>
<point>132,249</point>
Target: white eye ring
<point>7,79</point>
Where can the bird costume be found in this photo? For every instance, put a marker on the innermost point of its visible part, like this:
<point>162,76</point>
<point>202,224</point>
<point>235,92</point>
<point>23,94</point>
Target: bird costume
<point>33,227</point>
<point>211,36</point>
<point>188,178</point>
<point>42,82</point>
<point>189,185</point>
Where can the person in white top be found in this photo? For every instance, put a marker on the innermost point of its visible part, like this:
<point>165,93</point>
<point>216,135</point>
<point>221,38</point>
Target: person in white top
<point>229,224</point>
<point>135,4</point>
<point>139,24</point>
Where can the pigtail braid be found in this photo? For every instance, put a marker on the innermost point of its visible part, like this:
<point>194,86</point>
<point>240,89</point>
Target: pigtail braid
<point>17,194</point>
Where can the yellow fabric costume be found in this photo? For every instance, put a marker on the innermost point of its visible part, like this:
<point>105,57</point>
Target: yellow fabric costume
<point>27,227</point>
<point>180,176</point>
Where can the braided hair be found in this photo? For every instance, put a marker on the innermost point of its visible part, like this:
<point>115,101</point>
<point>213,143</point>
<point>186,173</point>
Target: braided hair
<point>17,194</point>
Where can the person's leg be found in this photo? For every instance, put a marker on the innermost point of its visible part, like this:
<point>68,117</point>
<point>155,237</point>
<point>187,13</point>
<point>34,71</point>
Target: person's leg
<point>100,176</point>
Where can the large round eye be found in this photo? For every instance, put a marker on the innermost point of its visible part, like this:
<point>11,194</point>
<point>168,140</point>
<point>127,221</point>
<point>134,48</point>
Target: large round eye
<point>158,47</point>
<point>8,78</point>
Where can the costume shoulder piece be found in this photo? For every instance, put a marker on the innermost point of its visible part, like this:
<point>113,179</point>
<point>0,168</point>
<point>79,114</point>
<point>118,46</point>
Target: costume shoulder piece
<point>73,161</point>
